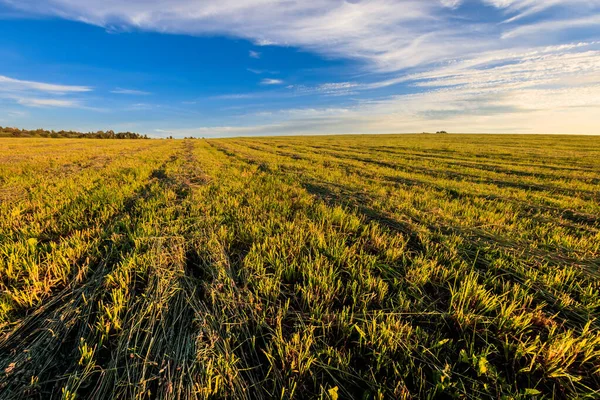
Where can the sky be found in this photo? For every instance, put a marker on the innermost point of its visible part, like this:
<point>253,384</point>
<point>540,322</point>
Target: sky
<point>263,67</point>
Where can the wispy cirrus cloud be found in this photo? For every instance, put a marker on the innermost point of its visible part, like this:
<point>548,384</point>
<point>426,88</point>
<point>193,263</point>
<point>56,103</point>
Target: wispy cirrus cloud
<point>554,65</point>
<point>269,81</point>
<point>41,94</point>
<point>132,92</point>
<point>35,102</point>
<point>559,65</point>
<point>518,9</point>
<point>12,84</point>
<point>551,26</point>
<point>261,71</point>
<point>328,89</point>
<point>236,96</point>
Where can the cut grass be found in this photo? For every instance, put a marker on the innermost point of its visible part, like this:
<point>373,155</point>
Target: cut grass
<point>409,266</point>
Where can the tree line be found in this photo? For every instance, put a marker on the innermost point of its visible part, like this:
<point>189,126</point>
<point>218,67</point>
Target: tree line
<point>16,132</point>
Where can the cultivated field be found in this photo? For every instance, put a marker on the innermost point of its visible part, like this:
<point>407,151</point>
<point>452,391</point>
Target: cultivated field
<point>407,266</point>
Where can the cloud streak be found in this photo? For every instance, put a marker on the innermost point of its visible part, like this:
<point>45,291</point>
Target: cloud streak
<point>269,81</point>
<point>11,84</point>
<point>40,94</point>
<point>34,102</point>
<point>132,92</point>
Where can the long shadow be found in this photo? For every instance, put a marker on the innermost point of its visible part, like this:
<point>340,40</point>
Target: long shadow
<point>474,242</point>
<point>359,201</point>
<point>588,195</point>
<point>46,338</point>
<point>160,329</point>
<point>577,217</point>
<point>408,152</point>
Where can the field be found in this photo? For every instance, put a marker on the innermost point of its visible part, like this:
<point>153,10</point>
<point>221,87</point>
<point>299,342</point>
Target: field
<point>401,267</point>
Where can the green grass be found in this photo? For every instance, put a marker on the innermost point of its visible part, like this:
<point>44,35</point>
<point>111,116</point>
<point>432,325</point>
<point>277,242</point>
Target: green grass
<point>401,266</point>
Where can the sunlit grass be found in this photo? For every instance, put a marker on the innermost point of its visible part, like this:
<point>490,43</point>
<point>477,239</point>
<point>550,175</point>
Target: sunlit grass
<point>408,266</point>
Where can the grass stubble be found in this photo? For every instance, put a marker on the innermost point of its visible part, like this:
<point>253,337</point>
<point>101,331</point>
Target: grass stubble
<point>401,266</point>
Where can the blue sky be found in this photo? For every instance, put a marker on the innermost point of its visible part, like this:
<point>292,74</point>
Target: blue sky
<point>264,67</point>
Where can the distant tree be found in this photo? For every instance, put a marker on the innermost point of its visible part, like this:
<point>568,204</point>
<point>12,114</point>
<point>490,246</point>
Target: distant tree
<point>16,132</point>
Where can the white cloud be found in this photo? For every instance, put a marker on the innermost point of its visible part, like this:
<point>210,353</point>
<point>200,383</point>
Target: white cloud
<point>16,113</point>
<point>524,8</point>
<point>500,70</point>
<point>389,35</point>
<point>33,102</point>
<point>551,26</point>
<point>328,89</point>
<point>261,71</point>
<point>11,84</point>
<point>268,81</point>
<point>130,92</point>
<point>235,96</point>
<point>141,107</point>
<point>505,71</point>
<point>253,54</point>
<point>40,94</point>
<point>451,3</point>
